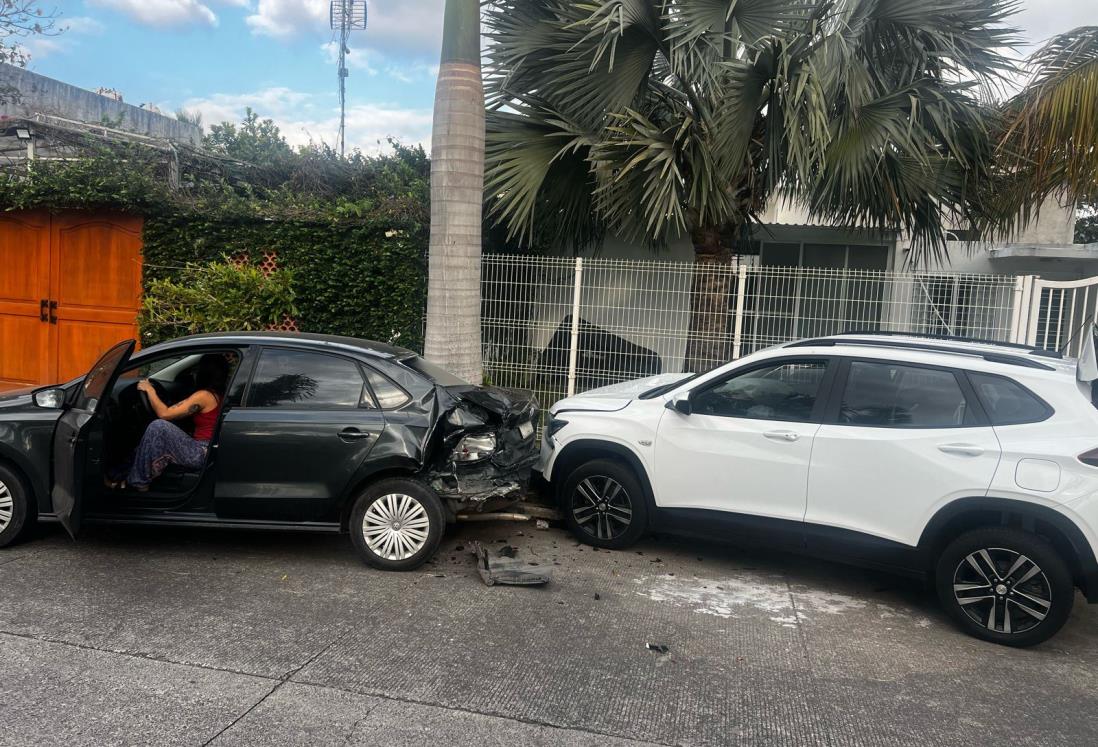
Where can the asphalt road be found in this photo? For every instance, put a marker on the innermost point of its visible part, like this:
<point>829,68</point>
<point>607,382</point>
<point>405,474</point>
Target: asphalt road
<point>141,636</point>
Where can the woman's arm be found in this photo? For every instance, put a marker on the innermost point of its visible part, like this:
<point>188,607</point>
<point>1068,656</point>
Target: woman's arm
<point>193,405</point>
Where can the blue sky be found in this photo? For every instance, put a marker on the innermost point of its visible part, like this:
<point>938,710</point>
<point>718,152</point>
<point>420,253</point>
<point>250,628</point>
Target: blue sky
<point>277,56</point>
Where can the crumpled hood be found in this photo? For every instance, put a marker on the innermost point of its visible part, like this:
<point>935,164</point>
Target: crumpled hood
<point>616,396</point>
<point>509,405</point>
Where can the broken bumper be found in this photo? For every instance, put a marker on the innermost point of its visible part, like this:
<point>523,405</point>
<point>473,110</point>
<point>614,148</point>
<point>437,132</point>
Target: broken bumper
<point>486,487</point>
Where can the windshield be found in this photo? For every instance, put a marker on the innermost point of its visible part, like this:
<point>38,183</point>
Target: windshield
<point>665,388</point>
<point>435,373</point>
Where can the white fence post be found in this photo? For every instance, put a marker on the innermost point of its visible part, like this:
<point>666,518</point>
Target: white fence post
<point>1033,313</point>
<point>1017,333</point>
<point>573,345</point>
<point>741,293</point>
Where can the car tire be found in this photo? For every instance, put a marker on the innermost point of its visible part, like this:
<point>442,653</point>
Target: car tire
<point>397,524</point>
<point>1005,586</point>
<point>604,504</point>
<point>17,513</point>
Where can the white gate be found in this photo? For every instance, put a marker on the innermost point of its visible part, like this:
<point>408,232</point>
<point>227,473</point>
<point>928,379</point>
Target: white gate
<point>1059,312</point>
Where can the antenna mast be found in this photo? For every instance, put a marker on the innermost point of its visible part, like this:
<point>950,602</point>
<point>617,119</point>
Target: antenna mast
<point>344,17</point>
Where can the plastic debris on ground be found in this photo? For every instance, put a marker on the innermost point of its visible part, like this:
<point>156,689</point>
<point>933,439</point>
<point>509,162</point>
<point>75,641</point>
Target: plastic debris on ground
<point>503,567</point>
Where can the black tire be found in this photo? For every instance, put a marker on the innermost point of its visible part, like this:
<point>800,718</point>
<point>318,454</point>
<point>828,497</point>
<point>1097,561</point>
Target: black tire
<point>1002,565</point>
<point>402,499</point>
<point>14,490</point>
<point>604,504</point>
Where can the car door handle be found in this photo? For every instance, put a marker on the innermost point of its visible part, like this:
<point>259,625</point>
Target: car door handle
<point>789,436</point>
<point>354,434</point>
<point>969,450</point>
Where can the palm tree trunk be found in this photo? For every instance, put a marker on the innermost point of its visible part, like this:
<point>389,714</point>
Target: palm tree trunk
<point>707,345</point>
<point>457,197</point>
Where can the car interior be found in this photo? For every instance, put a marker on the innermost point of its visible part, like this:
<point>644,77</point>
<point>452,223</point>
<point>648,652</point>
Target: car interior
<point>129,412</point>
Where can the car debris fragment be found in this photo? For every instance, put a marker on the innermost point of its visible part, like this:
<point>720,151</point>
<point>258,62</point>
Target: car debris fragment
<point>503,567</point>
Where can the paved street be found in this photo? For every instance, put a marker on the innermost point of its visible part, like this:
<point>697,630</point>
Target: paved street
<point>194,637</point>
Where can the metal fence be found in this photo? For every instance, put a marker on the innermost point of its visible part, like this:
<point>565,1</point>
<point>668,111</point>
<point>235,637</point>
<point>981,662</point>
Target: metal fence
<point>560,325</point>
<point>1059,312</point>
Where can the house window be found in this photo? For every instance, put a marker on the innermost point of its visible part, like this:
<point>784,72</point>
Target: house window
<point>829,256</point>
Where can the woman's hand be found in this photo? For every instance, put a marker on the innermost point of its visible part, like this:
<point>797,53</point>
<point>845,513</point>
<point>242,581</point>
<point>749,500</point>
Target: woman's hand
<point>145,386</point>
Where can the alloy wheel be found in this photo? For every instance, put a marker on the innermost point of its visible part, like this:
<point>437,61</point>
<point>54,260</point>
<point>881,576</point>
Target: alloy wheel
<point>7,506</point>
<point>601,507</point>
<point>1002,590</point>
<point>396,526</point>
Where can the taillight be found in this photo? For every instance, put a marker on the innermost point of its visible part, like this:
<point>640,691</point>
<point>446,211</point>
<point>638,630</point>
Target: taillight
<point>1089,458</point>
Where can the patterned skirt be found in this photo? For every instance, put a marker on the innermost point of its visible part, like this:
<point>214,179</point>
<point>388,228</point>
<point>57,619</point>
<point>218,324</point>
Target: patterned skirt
<point>162,444</point>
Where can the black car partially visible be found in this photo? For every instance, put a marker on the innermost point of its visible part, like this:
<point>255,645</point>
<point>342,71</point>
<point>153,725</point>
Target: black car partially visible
<point>317,432</point>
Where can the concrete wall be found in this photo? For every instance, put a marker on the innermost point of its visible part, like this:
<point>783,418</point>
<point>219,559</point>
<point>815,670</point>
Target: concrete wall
<point>41,95</point>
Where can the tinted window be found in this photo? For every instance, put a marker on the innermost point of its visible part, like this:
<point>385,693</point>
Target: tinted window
<point>1008,402</point>
<point>886,394</point>
<point>785,391</point>
<point>292,378</point>
<point>389,395</point>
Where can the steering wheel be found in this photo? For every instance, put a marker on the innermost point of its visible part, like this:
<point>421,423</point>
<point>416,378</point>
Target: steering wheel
<point>144,398</point>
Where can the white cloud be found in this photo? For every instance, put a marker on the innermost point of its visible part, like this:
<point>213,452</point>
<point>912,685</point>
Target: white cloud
<point>167,13</point>
<point>305,117</point>
<point>39,47</point>
<point>80,25</point>
<point>407,28</point>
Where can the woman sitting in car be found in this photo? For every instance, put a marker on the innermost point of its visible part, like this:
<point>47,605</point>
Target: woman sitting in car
<point>165,443</point>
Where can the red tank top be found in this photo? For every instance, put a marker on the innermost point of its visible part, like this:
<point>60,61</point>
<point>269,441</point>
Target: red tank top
<point>204,423</point>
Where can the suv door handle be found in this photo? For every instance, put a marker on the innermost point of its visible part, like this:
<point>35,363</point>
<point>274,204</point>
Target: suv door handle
<point>789,436</point>
<point>353,434</point>
<point>969,450</point>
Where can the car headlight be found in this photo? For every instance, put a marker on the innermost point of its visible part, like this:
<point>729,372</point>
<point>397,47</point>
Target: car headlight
<point>474,448</point>
<point>555,424</point>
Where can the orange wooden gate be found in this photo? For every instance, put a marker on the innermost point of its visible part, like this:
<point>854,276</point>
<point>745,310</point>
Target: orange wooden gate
<point>70,287</point>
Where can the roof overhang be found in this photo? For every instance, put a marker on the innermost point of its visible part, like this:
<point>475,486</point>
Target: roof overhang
<point>1058,252</point>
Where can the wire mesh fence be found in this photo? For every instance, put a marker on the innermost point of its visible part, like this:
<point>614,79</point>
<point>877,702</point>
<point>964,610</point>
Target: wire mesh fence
<point>561,325</point>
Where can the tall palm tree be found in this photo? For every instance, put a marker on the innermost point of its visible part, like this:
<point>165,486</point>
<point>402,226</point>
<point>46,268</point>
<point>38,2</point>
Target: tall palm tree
<point>1048,146</point>
<point>457,197</point>
<point>658,118</point>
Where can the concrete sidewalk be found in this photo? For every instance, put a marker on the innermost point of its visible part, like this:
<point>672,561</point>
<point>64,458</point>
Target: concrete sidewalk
<point>142,636</point>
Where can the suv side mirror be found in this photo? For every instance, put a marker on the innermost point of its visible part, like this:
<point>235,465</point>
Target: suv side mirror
<point>50,399</point>
<point>680,404</point>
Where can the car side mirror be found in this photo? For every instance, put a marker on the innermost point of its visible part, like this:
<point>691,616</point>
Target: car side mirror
<point>50,399</point>
<point>681,404</point>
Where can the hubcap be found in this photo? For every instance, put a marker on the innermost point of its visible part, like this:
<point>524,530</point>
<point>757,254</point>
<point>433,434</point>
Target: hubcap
<point>1002,590</point>
<point>7,505</point>
<point>601,507</point>
<point>396,526</point>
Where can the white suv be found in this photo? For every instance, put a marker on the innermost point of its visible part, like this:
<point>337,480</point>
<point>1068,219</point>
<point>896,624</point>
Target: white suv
<point>972,463</point>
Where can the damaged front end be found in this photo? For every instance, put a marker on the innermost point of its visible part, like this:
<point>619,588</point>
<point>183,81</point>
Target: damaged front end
<point>487,447</point>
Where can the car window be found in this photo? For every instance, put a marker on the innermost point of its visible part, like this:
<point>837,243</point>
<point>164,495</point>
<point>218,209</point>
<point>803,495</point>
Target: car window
<point>389,395</point>
<point>892,395</point>
<point>1007,402</point>
<point>161,369</point>
<point>294,378</point>
<point>784,391</point>
<point>432,371</point>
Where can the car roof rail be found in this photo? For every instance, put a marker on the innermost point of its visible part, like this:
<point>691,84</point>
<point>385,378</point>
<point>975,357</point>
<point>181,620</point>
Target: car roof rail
<point>1031,349</point>
<point>992,357</point>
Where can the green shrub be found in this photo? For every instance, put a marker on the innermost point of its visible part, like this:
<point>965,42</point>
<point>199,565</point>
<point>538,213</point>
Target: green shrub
<point>215,297</point>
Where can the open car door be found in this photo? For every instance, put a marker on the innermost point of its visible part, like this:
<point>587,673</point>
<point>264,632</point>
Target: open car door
<point>70,437</point>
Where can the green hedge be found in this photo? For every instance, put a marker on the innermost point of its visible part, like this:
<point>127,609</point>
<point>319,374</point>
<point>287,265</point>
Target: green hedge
<point>364,280</point>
